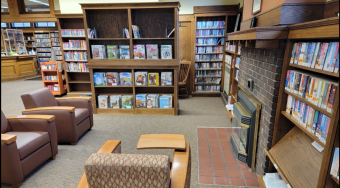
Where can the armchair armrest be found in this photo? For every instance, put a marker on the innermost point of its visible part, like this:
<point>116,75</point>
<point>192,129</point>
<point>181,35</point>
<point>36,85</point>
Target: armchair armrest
<point>8,138</point>
<point>48,118</point>
<point>74,98</point>
<point>62,108</point>
<point>181,168</point>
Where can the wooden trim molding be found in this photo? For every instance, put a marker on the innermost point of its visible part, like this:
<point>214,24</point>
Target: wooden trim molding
<point>48,118</point>
<point>317,23</point>
<point>126,5</point>
<point>215,9</point>
<point>74,98</point>
<point>261,33</point>
<point>68,15</point>
<point>62,108</point>
<point>8,138</point>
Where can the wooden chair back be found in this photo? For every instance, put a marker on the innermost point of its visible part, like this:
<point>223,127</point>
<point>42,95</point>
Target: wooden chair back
<point>184,71</point>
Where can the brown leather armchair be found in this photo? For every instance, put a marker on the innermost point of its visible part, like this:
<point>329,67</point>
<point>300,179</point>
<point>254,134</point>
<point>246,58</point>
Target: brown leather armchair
<point>73,115</point>
<point>26,142</point>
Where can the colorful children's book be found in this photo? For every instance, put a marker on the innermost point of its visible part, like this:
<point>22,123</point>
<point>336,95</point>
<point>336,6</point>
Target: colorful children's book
<point>170,99</point>
<point>124,51</point>
<point>112,51</point>
<point>102,101</point>
<point>152,101</point>
<point>98,79</point>
<point>127,102</point>
<point>166,78</point>
<point>141,101</point>
<point>164,102</point>
<point>141,78</point>
<point>112,78</point>
<point>98,52</point>
<point>125,78</point>
<point>152,51</point>
<point>153,79</point>
<point>115,101</point>
<point>166,52</point>
<point>139,51</point>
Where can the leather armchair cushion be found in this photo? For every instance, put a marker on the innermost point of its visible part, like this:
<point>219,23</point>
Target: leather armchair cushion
<point>28,142</point>
<point>81,114</point>
<point>4,123</point>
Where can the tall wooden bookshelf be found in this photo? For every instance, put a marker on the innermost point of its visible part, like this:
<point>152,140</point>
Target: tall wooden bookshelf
<point>292,153</point>
<point>78,83</point>
<point>230,20</point>
<point>153,19</point>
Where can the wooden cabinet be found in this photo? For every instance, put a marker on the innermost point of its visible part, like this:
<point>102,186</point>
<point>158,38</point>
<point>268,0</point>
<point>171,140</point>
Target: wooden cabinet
<point>17,67</point>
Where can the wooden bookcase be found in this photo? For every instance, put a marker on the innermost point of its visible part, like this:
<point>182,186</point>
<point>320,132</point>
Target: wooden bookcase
<point>230,20</point>
<point>152,19</point>
<point>49,72</point>
<point>78,83</point>
<point>292,153</point>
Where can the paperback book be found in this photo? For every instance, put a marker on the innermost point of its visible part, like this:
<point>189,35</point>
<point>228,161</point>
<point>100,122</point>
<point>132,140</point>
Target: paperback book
<point>115,101</point>
<point>166,52</point>
<point>138,51</point>
<point>99,78</point>
<point>112,51</point>
<point>152,101</point>
<point>141,101</point>
<point>153,79</point>
<point>152,51</point>
<point>141,78</point>
<point>102,101</point>
<point>112,78</point>
<point>125,78</point>
<point>166,78</point>
<point>124,51</point>
<point>98,51</point>
<point>127,102</point>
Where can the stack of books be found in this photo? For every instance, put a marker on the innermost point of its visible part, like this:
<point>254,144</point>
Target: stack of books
<point>322,56</point>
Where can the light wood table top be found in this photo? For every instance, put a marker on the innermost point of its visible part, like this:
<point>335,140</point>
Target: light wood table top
<point>161,141</point>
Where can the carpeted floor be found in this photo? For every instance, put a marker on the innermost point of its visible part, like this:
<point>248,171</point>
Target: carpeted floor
<point>68,167</point>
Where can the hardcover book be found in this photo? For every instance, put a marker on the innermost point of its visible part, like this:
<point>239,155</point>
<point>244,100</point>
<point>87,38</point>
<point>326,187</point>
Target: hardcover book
<point>124,51</point>
<point>141,101</point>
<point>112,51</point>
<point>152,51</point>
<point>322,56</point>
<point>98,52</point>
<point>293,54</point>
<point>166,52</point>
<point>112,78</point>
<point>141,78</point>
<point>310,119</point>
<point>164,102</point>
<point>139,51</point>
<point>98,79</point>
<point>102,101</point>
<point>152,101</point>
<point>289,104</point>
<point>153,79</point>
<point>170,99</point>
<point>115,101</point>
<point>166,78</point>
<point>316,52</point>
<point>125,78</point>
<point>127,102</point>
<point>324,106</point>
<point>315,121</point>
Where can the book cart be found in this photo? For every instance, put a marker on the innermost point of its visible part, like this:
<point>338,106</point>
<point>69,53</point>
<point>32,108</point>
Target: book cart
<point>153,19</point>
<point>77,81</point>
<point>230,20</point>
<point>50,83</point>
<point>292,154</point>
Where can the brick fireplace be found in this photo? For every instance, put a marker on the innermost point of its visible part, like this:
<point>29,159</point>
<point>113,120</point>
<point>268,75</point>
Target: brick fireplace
<point>264,66</point>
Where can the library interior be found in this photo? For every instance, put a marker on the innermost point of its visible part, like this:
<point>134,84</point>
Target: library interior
<point>170,93</point>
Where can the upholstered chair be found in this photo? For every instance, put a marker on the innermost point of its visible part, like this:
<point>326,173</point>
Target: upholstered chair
<point>109,168</point>
<point>73,115</point>
<point>27,141</point>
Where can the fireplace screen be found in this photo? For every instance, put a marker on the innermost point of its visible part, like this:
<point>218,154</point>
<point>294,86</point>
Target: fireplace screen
<point>240,135</point>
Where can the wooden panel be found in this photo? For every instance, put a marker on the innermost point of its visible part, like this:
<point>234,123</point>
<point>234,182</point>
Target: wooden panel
<point>155,111</point>
<point>214,9</point>
<point>114,111</point>
<point>48,118</point>
<point>161,141</point>
<point>301,12</point>
<point>331,31</point>
<point>270,18</point>
<point>8,138</point>
<point>261,181</point>
<point>62,108</point>
<point>267,44</point>
<point>130,5</point>
<point>8,70</point>
<point>245,25</point>
<point>26,68</point>
<point>74,98</point>
<point>331,9</point>
<point>296,157</point>
<point>180,164</point>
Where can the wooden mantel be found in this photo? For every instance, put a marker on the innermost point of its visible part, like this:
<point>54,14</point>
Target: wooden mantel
<point>263,37</point>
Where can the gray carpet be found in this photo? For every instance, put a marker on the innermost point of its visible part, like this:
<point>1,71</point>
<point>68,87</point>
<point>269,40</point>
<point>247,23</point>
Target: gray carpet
<point>67,169</point>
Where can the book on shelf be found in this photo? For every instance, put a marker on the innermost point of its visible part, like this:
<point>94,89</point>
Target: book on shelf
<point>77,67</point>
<point>152,101</point>
<point>136,31</point>
<point>126,33</point>
<point>210,33</point>
<point>75,44</point>
<point>112,51</point>
<point>207,88</point>
<point>98,51</point>
<point>99,78</point>
<point>139,51</point>
<point>125,78</point>
<point>141,100</point>
<point>153,79</point>
<point>141,78</point>
<point>124,51</point>
<point>166,52</point>
<point>166,78</point>
<point>112,78</point>
<point>210,24</point>
<point>164,102</point>
<point>115,101</point>
<point>335,164</point>
<point>103,101</point>
<point>72,32</point>
<point>318,55</point>
<point>208,66</point>
<point>152,51</point>
<point>317,90</point>
<point>127,102</point>
<point>274,180</point>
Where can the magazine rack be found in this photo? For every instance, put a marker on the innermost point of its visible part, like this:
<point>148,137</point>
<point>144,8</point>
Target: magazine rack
<point>153,19</point>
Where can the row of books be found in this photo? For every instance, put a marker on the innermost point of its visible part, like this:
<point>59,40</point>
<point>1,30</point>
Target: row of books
<point>319,91</point>
<point>28,38</point>
<point>335,164</point>
<point>41,36</point>
<point>213,57</point>
<point>228,59</point>
<point>44,59</point>
<point>153,101</point>
<point>54,87</point>
<point>55,40</point>
<point>207,80</point>
<point>42,40</point>
<point>210,24</point>
<point>126,33</point>
<point>230,47</point>
<point>115,101</point>
<point>75,45</point>
<point>59,58</point>
<point>210,33</point>
<point>208,73</point>
<point>238,62</point>
<point>75,56</point>
<point>53,77</point>
<point>77,67</point>
<point>142,78</point>
<point>55,43</point>
<point>43,45</point>
<point>209,49</point>
<point>72,32</point>
<point>44,54</point>
<point>135,31</point>
<point>209,41</point>
<point>313,120</point>
<point>323,56</point>
<point>54,34</point>
<point>152,51</point>
<point>208,66</point>
<point>237,74</point>
<point>43,49</point>
<point>207,88</point>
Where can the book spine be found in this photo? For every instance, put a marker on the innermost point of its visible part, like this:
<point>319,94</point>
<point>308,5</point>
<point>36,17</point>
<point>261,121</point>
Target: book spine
<point>297,54</point>
<point>310,119</point>
<point>289,104</point>
<point>317,49</point>
<point>292,80</point>
<point>302,112</point>
<point>318,125</point>
<point>319,58</point>
<point>322,91</point>
<point>302,53</point>
<point>310,55</point>
<point>323,56</point>
<point>305,115</point>
<point>332,98</point>
<point>297,83</point>
<point>321,129</point>
<point>318,92</point>
<point>328,56</point>
<point>324,106</point>
<point>293,54</point>
<point>301,84</point>
<point>336,66</point>
<point>305,86</point>
<point>334,59</point>
<point>307,51</point>
<point>315,121</point>
<point>315,90</point>
<point>287,80</point>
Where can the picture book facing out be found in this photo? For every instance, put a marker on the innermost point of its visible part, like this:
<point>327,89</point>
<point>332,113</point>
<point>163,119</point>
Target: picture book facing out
<point>112,78</point>
<point>112,51</point>
<point>141,78</point>
<point>166,52</point>
<point>166,78</point>
<point>153,79</point>
<point>115,101</point>
<point>125,78</point>
<point>152,51</point>
<point>139,51</point>
<point>127,102</point>
<point>124,51</point>
<point>98,51</point>
<point>141,101</point>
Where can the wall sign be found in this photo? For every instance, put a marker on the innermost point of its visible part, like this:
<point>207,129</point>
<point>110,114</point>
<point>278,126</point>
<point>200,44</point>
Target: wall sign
<point>257,6</point>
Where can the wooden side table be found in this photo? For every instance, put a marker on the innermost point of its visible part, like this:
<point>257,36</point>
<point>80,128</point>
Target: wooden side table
<point>161,141</point>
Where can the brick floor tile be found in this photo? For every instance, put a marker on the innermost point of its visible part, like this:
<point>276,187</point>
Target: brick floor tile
<point>243,166</point>
<point>215,149</point>
<point>203,148</point>
<point>221,181</point>
<point>200,135</point>
<point>201,130</point>
<point>236,181</point>
<point>206,172</point>
<point>250,175</point>
<point>204,153</point>
<point>213,139</point>
<point>224,140</point>
<point>220,173</point>
<point>232,167</point>
<point>217,160</point>
<point>203,139</point>
<point>204,159</point>
<point>218,166</point>
<point>216,154</point>
<point>202,143</point>
<point>204,165</point>
<point>252,182</point>
<point>229,155</point>
<point>214,144</point>
<point>234,174</point>
<point>230,160</point>
<point>206,180</point>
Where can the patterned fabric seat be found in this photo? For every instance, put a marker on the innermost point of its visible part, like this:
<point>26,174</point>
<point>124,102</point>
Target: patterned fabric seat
<point>127,171</point>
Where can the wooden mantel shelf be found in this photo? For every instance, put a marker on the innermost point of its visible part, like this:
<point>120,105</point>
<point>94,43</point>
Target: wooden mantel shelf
<point>260,33</point>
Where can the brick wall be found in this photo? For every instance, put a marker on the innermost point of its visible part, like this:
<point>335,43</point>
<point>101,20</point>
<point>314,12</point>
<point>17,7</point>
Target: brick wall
<point>264,66</point>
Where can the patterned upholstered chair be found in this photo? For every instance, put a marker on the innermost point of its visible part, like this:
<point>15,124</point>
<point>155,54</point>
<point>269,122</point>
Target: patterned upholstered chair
<point>109,168</point>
